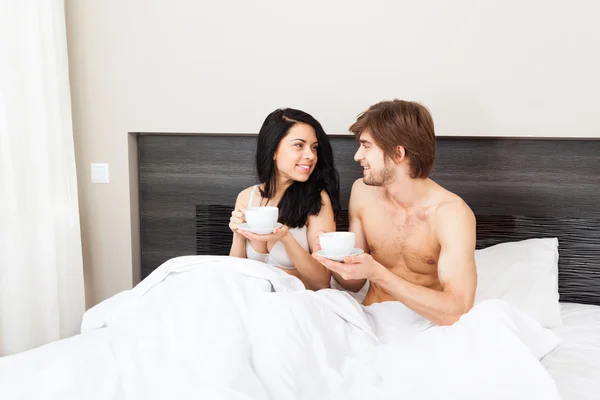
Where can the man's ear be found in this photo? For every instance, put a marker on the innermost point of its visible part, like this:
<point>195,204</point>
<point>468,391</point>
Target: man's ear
<point>400,154</point>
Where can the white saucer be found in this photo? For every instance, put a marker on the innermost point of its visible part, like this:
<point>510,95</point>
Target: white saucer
<point>263,231</point>
<point>355,252</point>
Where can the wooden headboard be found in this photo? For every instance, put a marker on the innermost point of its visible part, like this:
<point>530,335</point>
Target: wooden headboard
<point>518,189</point>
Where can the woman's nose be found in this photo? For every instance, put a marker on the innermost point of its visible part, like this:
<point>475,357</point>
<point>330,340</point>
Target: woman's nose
<point>309,155</point>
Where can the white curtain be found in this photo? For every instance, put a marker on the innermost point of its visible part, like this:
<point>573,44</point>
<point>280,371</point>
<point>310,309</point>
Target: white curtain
<point>41,273</point>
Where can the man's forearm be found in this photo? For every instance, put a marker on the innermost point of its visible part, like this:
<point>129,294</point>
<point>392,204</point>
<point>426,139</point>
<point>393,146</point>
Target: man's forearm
<point>441,308</point>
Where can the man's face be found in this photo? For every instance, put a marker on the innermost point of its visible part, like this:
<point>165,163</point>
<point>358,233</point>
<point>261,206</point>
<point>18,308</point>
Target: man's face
<point>378,170</point>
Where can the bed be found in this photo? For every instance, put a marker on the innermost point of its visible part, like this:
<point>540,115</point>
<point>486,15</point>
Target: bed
<point>531,334</point>
<point>576,363</point>
<point>519,188</point>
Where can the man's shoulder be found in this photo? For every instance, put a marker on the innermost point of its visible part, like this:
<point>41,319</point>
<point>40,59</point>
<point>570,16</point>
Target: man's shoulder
<point>454,206</point>
<point>359,187</point>
<point>362,192</point>
<point>455,226</point>
<point>452,203</point>
<point>454,211</point>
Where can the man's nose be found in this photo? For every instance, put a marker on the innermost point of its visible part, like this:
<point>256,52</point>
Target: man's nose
<point>358,156</point>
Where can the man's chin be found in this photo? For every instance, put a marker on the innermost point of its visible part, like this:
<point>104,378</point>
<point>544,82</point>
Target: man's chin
<point>371,182</point>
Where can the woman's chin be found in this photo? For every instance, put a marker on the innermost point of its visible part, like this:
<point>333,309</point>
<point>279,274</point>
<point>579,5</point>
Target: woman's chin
<point>301,177</point>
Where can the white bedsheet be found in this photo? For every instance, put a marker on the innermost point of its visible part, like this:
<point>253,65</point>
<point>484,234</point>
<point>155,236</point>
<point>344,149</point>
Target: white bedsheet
<point>227,328</point>
<point>575,365</point>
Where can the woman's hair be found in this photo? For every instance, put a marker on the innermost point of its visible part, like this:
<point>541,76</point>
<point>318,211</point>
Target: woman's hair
<point>301,199</point>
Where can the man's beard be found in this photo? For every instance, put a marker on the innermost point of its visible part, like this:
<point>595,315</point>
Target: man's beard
<point>379,178</point>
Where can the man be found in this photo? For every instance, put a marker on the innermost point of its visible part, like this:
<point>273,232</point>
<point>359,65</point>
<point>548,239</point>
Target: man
<point>419,238</point>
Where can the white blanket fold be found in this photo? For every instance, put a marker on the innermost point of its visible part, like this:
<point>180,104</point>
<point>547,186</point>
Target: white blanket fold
<point>228,328</point>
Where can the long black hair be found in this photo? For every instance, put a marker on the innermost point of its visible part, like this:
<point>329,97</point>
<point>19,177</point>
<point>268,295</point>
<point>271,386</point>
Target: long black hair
<point>301,199</point>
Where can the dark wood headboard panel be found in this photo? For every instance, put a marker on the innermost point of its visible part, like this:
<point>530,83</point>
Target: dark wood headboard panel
<point>518,189</point>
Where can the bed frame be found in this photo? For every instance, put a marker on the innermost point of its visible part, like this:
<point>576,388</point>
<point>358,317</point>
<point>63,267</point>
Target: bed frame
<point>518,188</point>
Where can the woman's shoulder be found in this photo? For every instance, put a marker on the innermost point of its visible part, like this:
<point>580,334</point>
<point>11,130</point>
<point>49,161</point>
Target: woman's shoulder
<point>325,199</point>
<point>324,220</point>
<point>325,203</point>
<point>243,197</point>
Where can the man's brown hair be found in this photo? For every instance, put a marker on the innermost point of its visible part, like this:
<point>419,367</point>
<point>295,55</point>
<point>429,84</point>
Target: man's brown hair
<point>401,123</point>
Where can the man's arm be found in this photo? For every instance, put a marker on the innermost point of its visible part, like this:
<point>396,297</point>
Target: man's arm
<point>354,285</point>
<point>456,233</point>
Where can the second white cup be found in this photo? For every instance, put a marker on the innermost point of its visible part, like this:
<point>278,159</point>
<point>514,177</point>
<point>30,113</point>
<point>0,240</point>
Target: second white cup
<point>337,243</point>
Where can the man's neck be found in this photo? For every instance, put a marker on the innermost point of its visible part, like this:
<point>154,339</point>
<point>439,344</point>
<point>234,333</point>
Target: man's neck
<point>408,193</point>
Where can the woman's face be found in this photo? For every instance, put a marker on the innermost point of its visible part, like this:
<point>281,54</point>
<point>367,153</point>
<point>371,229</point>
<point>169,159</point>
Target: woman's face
<point>296,154</point>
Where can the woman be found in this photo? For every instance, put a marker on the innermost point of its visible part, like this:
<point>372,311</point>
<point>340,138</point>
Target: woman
<point>294,162</point>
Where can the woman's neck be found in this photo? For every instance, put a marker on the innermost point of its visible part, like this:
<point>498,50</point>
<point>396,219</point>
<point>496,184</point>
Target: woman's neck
<point>281,185</point>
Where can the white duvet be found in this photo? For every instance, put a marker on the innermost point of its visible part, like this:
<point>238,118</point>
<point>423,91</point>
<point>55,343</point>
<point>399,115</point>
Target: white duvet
<point>202,327</point>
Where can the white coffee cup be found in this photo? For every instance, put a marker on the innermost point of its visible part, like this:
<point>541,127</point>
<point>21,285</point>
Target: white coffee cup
<point>262,217</point>
<point>337,243</point>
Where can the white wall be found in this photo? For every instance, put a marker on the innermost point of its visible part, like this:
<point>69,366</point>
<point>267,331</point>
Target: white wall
<point>514,68</point>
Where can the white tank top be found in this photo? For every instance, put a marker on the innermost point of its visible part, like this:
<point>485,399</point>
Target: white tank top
<point>277,256</point>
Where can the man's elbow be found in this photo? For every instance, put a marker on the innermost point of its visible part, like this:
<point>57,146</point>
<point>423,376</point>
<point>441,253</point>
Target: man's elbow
<point>451,318</point>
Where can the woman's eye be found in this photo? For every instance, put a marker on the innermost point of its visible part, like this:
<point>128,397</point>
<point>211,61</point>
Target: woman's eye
<point>299,145</point>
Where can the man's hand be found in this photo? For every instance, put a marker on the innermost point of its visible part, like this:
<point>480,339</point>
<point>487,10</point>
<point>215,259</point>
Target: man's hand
<point>362,266</point>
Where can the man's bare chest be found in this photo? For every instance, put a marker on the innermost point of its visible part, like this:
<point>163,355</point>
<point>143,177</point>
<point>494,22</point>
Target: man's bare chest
<point>403,241</point>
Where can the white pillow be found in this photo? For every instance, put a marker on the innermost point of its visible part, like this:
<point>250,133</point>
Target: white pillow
<point>524,274</point>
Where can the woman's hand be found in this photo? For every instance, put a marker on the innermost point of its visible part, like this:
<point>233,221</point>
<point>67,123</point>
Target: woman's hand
<point>277,235</point>
<point>317,245</point>
<point>237,218</point>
